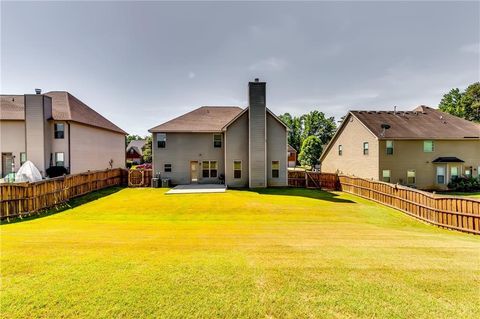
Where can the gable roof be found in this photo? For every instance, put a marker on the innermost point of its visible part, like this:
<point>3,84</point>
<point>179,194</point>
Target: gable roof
<point>203,119</point>
<point>137,145</point>
<point>65,107</point>
<point>11,107</point>
<point>291,149</point>
<point>421,123</point>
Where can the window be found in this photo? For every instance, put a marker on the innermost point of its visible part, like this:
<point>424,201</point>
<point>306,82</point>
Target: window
<point>389,145</point>
<point>237,169</point>
<point>440,175</point>
<point>386,175</point>
<point>340,150</point>
<point>59,130</point>
<point>217,140</point>
<point>23,158</point>
<point>275,169</point>
<point>428,146</point>
<point>453,172</point>
<point>209,169</point>
<point>167,168</point>
<point>468,172</point>
<point>161,140</point>
<point>59,159</point>
<point>411,177</point>
<point>365,148</point>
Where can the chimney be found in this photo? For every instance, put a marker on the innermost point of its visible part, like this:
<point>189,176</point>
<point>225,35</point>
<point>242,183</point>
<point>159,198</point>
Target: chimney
<point>395,109</point>
<point>257,134</point>
<point>38,91</point>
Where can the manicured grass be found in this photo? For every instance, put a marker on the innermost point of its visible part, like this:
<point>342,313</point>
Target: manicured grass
<point>138,253</point>
<point>471,194</point>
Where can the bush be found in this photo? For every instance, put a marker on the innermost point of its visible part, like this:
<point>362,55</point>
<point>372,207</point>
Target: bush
<point>464,184</point>
<point>55,171</point>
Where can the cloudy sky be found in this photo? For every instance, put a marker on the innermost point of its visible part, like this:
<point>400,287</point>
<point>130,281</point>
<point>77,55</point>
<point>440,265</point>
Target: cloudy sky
<point>140,64</point>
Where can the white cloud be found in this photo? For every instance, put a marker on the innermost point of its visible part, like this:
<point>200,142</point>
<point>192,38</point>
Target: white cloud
<point>471,48</point>
<point>191,75</point>
<point>272,63</point>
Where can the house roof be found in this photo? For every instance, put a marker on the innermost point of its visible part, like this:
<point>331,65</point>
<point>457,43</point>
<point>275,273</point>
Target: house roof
<point>421,123</point>
<point>291,149</point>
<point>447,160</point>
<point>65,107</point>
<point>11,107</point>
<point>137,145</point>
<point>203,119</point>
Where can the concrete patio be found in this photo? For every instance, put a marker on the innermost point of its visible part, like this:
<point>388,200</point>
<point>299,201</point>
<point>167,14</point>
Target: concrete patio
<point>197,188</point>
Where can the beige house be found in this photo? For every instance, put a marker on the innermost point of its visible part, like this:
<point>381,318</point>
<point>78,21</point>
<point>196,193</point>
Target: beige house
<point>57,129</point>
<point>245,147</point>
<point>423,148</point>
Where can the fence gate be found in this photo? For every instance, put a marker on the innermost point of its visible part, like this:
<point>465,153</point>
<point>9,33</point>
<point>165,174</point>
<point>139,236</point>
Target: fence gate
<point>139,178</point>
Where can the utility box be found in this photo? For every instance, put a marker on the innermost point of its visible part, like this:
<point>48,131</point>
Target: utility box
<point>155,182</point>
<point>165,182</point>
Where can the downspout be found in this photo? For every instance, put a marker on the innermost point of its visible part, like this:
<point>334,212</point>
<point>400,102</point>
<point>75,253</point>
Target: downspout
<point>69,150</point>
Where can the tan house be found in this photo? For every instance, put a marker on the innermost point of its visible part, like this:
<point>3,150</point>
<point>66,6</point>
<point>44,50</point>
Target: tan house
<point>134,151</point>
<point>424,148</point>
<point>57,129</point>
<point>292,156</point>
<point>244,147</point>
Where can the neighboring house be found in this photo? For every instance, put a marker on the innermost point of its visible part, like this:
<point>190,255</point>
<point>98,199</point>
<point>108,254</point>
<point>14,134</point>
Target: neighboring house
<point>57,129</point>
<point>424,148</point>
<point>134,152</point>
<point>292,156</point>
<point>247,146</point>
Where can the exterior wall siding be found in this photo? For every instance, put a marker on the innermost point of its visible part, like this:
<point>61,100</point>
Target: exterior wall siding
<point>181,148</point>
<point>236,149</point>
<point>277,148</point>
<point>353,161</point>
<point>35,131</point>
<point>12,140</point>
<point>409,155</point>
<point>257,134</point>
<point>92,148</point>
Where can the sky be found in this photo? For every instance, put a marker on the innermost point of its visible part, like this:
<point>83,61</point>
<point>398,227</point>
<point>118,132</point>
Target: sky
<point>142,63</point>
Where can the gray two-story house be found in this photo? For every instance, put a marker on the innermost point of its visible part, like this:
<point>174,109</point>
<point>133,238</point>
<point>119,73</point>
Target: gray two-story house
<point>245,147</point>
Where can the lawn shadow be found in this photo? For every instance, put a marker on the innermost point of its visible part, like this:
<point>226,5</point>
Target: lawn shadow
<point>72,203</point>
<point>302,192</point>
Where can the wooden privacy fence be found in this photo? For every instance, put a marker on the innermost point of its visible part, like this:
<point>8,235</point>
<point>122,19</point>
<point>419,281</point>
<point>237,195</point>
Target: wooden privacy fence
<point>140,177</point>
<point>307,179</point>
<point>17,199</point>
<point>453,212</point>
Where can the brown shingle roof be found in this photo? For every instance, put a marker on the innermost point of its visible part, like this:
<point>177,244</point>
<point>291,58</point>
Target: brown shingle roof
<point>137,145</point>
<point>421,123</point>
<point>11,107</point>
<point>65,107</point>
<point>203,119</point>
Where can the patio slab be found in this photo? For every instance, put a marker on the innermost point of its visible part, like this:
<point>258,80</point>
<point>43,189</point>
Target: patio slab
<point>197,188</point>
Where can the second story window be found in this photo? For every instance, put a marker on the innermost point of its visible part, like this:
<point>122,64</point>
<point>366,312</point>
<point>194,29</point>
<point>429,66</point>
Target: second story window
<point>365,148</point>
<point>389,145</point>
<point>59,130</point>
<point>217,140</point>
<point>428,146</point>
<point>340,150</point>
<point>161,140</point>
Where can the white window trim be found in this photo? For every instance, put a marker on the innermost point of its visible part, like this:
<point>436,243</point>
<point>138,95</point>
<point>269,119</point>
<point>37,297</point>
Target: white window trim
<point>209,168</point>
<point>271,168</point>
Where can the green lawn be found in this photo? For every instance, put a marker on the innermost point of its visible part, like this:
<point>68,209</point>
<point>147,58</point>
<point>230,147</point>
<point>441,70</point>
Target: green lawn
<point>471,194</point>
<point>138,253</point>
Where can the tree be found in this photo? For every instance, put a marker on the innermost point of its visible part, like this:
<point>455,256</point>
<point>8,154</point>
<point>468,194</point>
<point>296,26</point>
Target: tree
<point>315,123</point>
<point>132,138</point>
<point>463,104</point>
<point>147,150</point>
<point>294,125</point>
<point>311,151</point>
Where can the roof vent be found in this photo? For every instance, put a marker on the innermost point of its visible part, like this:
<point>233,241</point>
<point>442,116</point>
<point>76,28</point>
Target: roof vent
<point>384,127</point>
<point>38,91</point>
